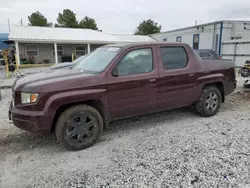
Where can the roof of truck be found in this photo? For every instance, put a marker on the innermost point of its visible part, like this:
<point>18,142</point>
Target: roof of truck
<point>121,45</point>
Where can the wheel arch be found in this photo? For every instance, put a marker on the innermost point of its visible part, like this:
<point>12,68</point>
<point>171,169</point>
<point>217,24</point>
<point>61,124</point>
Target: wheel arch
<point>221,88</point>
<point>95,103</point>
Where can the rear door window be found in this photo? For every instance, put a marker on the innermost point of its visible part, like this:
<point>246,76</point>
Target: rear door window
<point>174,57</point>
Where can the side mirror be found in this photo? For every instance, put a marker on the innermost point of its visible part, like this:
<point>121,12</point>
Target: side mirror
<point>115,72</point>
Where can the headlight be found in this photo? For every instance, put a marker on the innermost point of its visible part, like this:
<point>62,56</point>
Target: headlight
<point>27,98</point>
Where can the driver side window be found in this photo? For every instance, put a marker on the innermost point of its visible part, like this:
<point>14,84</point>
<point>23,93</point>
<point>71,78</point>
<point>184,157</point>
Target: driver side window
<point>135,62</point>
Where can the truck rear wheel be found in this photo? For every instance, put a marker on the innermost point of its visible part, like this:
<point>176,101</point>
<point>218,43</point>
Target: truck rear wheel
<point>79,127</point>
<point>209,102</point>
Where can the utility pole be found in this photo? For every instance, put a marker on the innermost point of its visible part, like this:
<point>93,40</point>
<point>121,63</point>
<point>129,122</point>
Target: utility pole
<point>21,21</point>
<point>9,24</point>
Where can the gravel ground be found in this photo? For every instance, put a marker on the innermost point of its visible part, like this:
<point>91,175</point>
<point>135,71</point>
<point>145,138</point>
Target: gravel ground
<point>24,70</point>
<point>171,149</point>
<point>8,82</point>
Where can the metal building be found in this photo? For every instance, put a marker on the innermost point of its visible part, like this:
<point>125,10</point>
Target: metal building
<point>236,50</point>
<point>209,35</point>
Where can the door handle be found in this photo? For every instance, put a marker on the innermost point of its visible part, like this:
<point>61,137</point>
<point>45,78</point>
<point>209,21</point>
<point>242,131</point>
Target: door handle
<point>191,75</point>
<point>153,80</point>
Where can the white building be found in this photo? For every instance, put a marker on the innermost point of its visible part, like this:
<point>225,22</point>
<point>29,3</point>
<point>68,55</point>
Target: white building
<point>49,45</point>
<point>209,35</point>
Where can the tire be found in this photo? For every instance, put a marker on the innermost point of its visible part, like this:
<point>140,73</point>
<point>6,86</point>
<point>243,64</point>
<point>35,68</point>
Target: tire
<point>245,72</point>
<point>79,127</point>
<point>209,102</point>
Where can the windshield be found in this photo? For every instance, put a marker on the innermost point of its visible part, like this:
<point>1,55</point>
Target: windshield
<point>97,60</point>
<point>79,59</point>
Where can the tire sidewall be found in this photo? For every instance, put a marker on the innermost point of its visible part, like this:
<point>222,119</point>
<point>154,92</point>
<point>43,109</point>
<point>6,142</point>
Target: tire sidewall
<point>245,72</point>
<point>62,126</point>
<point>201,106</point>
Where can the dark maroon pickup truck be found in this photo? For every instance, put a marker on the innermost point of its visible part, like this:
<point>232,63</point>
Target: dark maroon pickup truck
<point>118,81</point>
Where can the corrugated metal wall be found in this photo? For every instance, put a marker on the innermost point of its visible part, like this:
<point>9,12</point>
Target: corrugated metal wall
<point>238,51</point>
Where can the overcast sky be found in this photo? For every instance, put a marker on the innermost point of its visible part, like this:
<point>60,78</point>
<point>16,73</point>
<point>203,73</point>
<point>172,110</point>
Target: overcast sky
<point>122,16</point>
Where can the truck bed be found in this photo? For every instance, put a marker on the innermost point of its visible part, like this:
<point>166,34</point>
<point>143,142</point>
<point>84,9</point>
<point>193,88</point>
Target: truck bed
<point>217,64</point>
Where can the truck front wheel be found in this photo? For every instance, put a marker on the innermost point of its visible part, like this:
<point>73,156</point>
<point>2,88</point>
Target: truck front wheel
<point>209,102</point>
<point>79,127</point>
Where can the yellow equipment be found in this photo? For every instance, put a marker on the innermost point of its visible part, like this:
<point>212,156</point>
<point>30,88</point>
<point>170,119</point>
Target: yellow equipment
<point>245,70</point>
<point>247,65</point>
<point>5,57</point>
<point>9,65</point>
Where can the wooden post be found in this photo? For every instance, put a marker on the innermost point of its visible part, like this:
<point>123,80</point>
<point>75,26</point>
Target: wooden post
<point>56,55</point>
<point>72,57</point>
<point>17,55</point>
<point>88,48</point>
<point>5,54</point>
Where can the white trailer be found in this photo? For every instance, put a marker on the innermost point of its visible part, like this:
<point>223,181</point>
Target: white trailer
<point>236,50</point>
<point>209,35</point>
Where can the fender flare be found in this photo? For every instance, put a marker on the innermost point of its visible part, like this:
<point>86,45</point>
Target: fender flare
<point>211,78</point>
<point>64,98</point>
<point>216,78</point>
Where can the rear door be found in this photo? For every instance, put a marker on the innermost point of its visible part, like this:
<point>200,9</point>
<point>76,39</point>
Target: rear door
<point>132,83</point>
<point>177,82</point>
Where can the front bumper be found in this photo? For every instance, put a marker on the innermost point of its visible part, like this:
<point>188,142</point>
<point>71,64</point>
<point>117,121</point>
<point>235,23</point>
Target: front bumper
<point>35,122</point>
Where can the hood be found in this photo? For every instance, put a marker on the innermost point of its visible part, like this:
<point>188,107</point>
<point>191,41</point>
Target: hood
<point>52,78</point>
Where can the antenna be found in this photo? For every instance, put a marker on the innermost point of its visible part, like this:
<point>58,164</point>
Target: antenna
<point>196,22</point>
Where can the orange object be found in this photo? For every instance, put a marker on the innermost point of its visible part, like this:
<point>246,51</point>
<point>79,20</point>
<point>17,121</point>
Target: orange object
<point>33,97</point>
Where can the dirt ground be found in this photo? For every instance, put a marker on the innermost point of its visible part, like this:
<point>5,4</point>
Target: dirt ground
<point>175,148</point>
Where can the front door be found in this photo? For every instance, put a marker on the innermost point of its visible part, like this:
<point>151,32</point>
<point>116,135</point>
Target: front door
<point>132,84</point>
<point>177,82</point>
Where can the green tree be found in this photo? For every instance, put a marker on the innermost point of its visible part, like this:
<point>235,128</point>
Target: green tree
<point>148,27</point>
<point>67,19</point>
<point>37,19</point>
<point>88,23</point>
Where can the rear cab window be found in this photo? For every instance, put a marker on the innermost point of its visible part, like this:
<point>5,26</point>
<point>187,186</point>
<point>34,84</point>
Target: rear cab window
<point>173,57</point>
